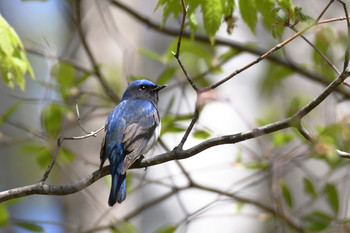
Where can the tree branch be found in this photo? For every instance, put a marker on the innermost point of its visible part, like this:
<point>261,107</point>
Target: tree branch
<point>44,189</point>
<point>236,45</point>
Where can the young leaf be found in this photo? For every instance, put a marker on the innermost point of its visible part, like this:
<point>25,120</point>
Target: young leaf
<point>332,196</point>
<point>4,215</point>
<point>64,74</point>
<point>212,14</point>
<point>201,134</point>
<point>13,61</point>
<point>239,207</point>
<point>229,54</point>
<point>167,229</point>
<point>52,116</point>
<point>273,78</point>
<point>65,155</point>
<point>258,165</point>
<point>9,112</point>
<point>150,54</point>
<point>249,13</point>
<point>43,158</point>
<point>286,4</point>
<point>282,138</point>
<point>286,193</point>
<point>317,221</point>
<point>128,182</point>
<point>166,75</point>
<point>125,227</point>
<point>42,153</point>
<point>30,226</point>
<point>309,187</point>
<point>294,105</point>
<point>265,7</point>
<point>170,7</point>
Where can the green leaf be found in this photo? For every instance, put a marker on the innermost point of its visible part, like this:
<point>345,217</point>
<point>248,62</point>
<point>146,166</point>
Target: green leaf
<point>192,22</point>
<point>195,54</point>
<point>65,155</point>
<point>170,7</point>
<point>125,227</point>
<point>332,196</point>
<point>249,13</point>
<point>9,112</point>
<point>82,78</point>
<point>201,134</point>
<point>229,54</point>
<point>52,117</point>
<point>151,54</point>
<point>265,7</point>
<point>309,187</point>
<point>323,40</point>
<point>4,215</point>
<point>317,221</point>
<point>128,182</point>
<point>259,165</point>
<point>286,193</point>
<point>166,75</point>
<point>300,16</point>
<point>295,104</point>
<point>13,61</point>
<point>170,123</point>
<point>42,153</point>
<point>212,14</point>
<point>229,6</point>
<point>167,229</point>
<point>30,226</point>
<point>198,50</point>
<point>64,73</point>
<point>239,207</point>
<point>282,138</point>
<point>327,143</point>
<point>286,4</point>
<point>273,78</point>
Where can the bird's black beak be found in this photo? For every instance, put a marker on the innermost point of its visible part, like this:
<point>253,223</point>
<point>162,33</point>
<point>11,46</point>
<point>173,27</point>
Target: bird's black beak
<point>160,87</point>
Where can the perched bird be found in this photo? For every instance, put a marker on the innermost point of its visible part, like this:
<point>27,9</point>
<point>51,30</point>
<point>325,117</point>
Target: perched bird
<point>132,128</point>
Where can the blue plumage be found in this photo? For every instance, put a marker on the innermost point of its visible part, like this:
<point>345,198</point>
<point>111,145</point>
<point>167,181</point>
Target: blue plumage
<point>131,129</point>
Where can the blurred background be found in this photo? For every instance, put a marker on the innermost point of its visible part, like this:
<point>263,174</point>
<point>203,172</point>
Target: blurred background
<point>274,183</point>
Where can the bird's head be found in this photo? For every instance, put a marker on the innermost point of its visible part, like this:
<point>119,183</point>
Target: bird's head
<point>143,89</point>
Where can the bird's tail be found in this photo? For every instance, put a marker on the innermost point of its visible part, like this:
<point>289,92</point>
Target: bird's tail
<point>118,189</point>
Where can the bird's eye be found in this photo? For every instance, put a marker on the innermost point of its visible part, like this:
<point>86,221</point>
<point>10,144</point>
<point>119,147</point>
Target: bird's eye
<point>143,87</point>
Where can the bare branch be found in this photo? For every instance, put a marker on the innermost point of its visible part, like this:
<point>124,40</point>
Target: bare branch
<point>44,189</point>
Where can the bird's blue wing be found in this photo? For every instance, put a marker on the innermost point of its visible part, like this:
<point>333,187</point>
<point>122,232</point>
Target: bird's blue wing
<point>140,127</point>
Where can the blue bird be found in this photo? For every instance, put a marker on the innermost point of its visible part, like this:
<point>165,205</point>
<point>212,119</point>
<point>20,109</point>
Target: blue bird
<point>132,128</point>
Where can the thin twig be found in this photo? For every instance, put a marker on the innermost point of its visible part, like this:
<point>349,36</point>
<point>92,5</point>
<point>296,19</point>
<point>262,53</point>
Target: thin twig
<point>347,51</point>
<point>59,144</point>
<point>318,51</point>
<point>79,120</point>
